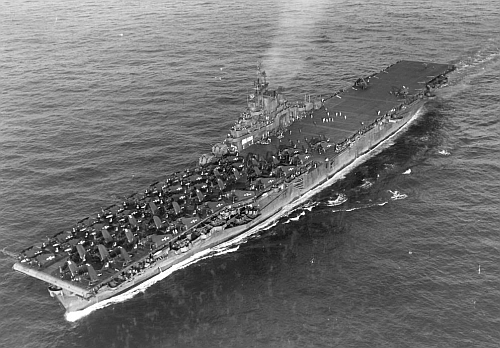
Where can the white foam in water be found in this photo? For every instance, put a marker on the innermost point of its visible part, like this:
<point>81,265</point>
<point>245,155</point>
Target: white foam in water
<point>342,198</point>
<point>366,184</point>
<point>397,195</point>
<point>295,218</point>
<point>361,207</point>
<point>224,248</point>
<point>307,206</point>
<point>202,255</point>
<point>298,217</point>
<point>310,206</point>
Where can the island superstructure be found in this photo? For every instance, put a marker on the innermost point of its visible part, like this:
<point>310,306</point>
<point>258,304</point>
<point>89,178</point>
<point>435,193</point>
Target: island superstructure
<point>275,153</point>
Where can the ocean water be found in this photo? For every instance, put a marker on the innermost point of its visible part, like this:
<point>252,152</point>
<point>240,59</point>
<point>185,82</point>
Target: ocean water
<point>98,99</point>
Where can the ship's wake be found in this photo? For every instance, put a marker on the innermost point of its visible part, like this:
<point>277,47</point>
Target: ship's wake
<point>471,67</point>
<point>360,206</point>
<point>296,213</point>
<point>216,251</point>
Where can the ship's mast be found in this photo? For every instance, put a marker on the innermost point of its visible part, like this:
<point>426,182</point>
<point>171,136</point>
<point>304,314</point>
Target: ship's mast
<point>261,84</point>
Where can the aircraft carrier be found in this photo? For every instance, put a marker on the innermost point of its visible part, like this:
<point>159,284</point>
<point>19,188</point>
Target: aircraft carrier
<point>272,158</point>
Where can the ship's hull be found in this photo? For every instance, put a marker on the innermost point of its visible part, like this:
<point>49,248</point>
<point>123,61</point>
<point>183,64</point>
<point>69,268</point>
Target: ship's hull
<point>274,205</point>
<point>276,156</point>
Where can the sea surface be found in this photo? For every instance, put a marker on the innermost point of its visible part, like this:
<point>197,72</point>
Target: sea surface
<point>99,99</point>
